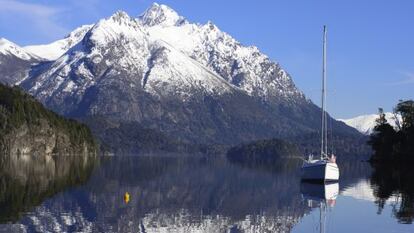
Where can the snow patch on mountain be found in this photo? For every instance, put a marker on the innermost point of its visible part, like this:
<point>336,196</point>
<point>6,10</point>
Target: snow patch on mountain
<point>182,74</point>
<point>118,26</point>
<point>366,123</point>
<point>56,49</point>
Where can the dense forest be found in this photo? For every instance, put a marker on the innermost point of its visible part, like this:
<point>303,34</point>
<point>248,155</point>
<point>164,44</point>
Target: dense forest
<point>26,124</point>
<point>342,145</point>
<point>270,150</point>
<point>263,151</point>
<point>122,137</point>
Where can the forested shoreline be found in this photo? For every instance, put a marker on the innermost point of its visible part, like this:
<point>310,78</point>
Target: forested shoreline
<point>394,144</point>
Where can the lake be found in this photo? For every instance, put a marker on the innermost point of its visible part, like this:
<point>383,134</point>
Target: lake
<point>169,193</point>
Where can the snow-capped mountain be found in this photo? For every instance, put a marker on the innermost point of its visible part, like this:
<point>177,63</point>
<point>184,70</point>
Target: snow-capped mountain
<point>159,70</point>
<point>204,51</point>
<point>366,123</point>
<point>15,62</point>
<point>242,66</point>
<point>120,47</point>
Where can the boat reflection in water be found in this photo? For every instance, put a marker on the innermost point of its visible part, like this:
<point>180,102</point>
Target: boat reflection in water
<point>322,196</point>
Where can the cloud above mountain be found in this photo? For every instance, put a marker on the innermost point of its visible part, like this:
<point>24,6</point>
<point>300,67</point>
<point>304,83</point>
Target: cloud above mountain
<point>44,18</point>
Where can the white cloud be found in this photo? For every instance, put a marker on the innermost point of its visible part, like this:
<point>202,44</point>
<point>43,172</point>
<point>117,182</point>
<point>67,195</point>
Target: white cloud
<point>21,7</point>
<point>408,78</point>
<point>42,17</point>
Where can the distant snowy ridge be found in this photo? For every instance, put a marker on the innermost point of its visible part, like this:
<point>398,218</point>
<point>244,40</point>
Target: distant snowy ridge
<point>15,62</point>
<point>56,49</point>
<point>8,48</point>
<point>366,123</point>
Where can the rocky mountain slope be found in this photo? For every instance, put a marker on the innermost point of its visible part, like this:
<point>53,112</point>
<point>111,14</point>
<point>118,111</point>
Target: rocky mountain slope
<point>26,127</point>
<point>161,72</point>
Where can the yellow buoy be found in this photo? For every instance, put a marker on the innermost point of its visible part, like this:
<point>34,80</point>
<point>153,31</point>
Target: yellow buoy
<point>126,197</point>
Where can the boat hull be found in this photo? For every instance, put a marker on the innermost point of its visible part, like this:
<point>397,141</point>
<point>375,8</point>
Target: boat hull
<point>320,171</point>
<point>319,192</point>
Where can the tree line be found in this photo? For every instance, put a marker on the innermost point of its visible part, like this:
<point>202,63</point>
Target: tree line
<point>394,143</point>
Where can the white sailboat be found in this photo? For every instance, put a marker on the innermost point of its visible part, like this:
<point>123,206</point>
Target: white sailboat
<point>323,168</point>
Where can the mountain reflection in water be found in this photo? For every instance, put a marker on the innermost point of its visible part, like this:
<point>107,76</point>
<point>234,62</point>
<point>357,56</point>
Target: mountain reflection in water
<point>167,194</point>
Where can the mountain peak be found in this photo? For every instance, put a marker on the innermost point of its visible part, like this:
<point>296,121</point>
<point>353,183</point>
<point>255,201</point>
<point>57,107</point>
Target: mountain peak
<point>211,26</point>
<point>159,14</point>
<point>120,17</point>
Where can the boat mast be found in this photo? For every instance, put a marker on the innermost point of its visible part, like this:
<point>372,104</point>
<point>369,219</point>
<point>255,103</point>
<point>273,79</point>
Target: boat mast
<point>324,133</point>
<point>322,217</point>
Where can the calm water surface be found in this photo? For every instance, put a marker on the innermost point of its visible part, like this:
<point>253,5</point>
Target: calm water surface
<point>173,194</point>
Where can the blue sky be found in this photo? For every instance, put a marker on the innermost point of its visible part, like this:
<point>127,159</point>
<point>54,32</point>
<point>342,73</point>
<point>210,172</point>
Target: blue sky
<point>370,42</point>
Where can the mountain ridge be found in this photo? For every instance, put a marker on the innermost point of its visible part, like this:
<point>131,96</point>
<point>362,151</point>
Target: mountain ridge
<point>54,50</point>
<point>153,29</point>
